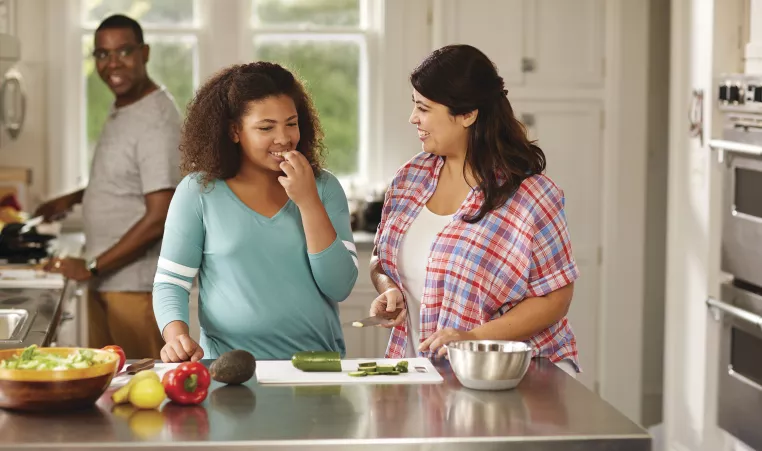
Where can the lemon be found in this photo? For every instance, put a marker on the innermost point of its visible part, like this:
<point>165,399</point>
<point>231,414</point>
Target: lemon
<point>122,395</point>
<point>147,394</point>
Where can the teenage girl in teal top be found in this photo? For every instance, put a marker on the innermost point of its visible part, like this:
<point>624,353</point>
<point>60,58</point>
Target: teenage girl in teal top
<point>264,227</point>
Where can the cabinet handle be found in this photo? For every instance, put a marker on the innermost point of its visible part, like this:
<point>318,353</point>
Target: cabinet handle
<point>12,124</point>
<point>527,65</point>
<point>528,119</point>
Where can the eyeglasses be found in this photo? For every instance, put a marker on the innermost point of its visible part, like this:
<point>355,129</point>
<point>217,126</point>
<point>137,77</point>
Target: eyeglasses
<point>121,53</point>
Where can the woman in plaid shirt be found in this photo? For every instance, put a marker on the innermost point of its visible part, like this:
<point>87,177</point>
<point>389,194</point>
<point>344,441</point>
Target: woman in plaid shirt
<point>472,242</point>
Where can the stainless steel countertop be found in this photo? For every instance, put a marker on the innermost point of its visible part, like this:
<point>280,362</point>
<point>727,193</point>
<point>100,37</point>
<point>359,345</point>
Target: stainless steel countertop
<point>45,308</point>
<point>548,411</point>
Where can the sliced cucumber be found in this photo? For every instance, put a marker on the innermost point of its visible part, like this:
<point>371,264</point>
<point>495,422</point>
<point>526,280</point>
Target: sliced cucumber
<point>358,374</point>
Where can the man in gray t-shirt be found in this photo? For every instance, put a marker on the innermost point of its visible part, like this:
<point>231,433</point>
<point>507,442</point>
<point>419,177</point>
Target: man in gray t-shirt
<point>134,172</point>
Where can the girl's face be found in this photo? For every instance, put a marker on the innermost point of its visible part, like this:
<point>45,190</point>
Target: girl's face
<point>440,132</point>
<point>267,129</point>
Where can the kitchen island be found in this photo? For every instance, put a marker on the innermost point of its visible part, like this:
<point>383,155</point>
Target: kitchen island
<point>549,410</point>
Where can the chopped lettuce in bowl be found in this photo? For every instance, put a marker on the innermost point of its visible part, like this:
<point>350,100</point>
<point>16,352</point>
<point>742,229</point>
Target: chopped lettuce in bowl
<point>32,358</point>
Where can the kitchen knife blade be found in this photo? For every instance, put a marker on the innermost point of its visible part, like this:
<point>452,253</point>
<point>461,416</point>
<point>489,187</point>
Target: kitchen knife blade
<point>371,321</point>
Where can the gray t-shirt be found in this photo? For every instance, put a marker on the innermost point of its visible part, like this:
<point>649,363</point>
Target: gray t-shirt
<point>137,153</point>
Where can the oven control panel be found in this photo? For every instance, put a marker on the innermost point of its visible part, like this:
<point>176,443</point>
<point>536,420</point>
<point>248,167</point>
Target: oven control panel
<point>740,93</point>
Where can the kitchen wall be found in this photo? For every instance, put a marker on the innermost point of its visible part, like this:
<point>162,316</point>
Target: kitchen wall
<point>30,149</point>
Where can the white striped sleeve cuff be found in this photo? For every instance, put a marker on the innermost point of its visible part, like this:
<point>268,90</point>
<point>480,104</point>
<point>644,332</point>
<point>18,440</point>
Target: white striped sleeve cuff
<point>180,270</point>
<point>172,280</point>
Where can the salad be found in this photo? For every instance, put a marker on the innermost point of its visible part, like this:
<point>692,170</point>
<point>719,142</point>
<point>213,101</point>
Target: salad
<point>34,359</point>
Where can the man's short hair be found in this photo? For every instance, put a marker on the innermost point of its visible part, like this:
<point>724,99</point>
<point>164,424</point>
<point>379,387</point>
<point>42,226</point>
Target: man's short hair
<point>122,21</point>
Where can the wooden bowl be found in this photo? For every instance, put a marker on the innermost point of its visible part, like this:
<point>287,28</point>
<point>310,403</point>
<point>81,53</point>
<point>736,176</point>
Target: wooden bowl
<point>49,390</point>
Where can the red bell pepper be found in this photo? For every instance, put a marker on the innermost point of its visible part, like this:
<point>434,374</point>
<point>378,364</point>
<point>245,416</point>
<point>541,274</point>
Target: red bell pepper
<point>187,384</point>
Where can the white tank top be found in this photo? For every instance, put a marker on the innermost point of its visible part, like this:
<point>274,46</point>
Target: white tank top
<point>413,260</point>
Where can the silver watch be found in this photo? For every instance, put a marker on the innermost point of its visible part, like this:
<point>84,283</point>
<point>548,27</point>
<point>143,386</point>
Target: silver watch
<point>92,266</point>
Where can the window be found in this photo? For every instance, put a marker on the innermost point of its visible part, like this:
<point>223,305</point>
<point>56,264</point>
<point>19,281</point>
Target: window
<point>334,46</point>
<point>170,28</point>
<point>325,43</point>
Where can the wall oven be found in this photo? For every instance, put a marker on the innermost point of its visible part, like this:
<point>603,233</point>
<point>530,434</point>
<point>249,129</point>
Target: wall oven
<point>740,381</point>
<point>739,306</point>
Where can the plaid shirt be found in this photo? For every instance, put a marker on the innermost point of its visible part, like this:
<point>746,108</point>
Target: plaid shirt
<point>478,272</point>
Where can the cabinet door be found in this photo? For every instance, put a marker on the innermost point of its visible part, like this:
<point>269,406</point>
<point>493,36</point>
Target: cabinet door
<point>362,342</point>
<point>570,134</point>
<point>565,43</point>
<point>496,27</point>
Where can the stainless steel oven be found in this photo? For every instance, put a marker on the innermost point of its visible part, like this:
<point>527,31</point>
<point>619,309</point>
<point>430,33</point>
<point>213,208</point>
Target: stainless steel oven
<point>740,381</point>
<point>742,211</point>
<point>740,302</point>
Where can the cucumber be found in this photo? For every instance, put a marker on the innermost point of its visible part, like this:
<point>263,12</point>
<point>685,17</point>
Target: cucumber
<point>367,365</point>
<point>317,361</point>
<point>358,374</point>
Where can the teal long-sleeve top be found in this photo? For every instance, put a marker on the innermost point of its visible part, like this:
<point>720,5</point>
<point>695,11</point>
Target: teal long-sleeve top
<point>259,288</point>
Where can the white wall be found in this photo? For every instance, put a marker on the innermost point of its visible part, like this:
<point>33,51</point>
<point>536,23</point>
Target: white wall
<point>30,149</point>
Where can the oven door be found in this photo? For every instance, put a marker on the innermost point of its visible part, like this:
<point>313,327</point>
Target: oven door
<point>740,381</point>
<point>742,218</point>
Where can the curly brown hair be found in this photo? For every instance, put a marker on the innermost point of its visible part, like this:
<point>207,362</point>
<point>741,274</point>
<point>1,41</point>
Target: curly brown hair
<point>206,145</point>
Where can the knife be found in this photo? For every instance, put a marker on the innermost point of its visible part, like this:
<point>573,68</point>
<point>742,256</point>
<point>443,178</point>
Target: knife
<point>28,225</point>
<point>371,321</point>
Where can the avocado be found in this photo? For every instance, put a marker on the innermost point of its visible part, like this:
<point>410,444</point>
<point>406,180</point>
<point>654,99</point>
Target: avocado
<point>233,367</point>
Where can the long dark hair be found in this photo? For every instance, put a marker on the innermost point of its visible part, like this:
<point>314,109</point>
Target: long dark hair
<point>499,153</point>
<point>206,145</point>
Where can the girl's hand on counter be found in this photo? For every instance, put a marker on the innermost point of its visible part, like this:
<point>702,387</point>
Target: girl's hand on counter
<point>181,348</point>
<point>299,181</point>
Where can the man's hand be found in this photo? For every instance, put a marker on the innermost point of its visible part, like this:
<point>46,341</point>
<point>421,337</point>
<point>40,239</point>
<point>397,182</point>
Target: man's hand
<point>71,268</point>
<point>56,209</point>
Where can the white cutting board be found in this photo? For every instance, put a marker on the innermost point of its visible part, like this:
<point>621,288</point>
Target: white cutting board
<point>29,278</point>
<point>282,372</point>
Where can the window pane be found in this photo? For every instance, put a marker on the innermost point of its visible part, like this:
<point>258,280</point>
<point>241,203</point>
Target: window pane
<point>306,13</point>
<point>147,12</point>
<point>172,64</point>
<point>330,70</point>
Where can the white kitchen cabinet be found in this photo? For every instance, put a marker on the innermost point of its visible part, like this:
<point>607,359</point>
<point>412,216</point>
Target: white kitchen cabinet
<point>362,342</point>
<point>570,134</point>
<point>496,27</point>
<point>564,43</point>
<point>534,43</point>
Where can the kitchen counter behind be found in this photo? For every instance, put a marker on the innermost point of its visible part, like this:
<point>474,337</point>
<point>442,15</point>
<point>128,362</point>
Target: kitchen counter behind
<point>548,411</point>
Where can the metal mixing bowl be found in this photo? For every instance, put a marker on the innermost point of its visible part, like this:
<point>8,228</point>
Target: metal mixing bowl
<point>489,364</point>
